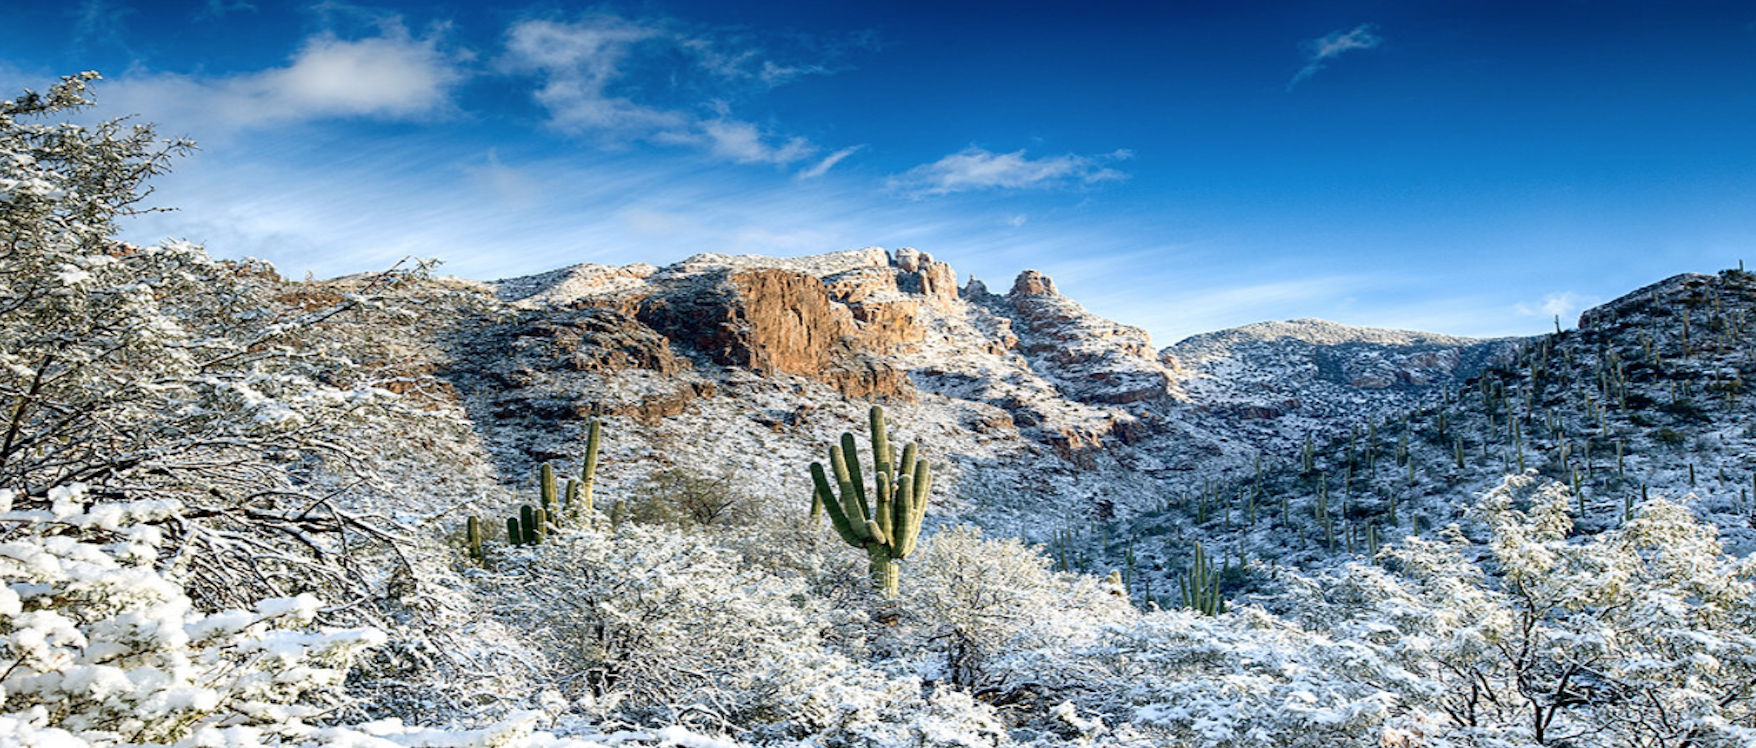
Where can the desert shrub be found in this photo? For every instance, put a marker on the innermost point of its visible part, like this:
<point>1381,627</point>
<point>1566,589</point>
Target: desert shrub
<point>689,498</point>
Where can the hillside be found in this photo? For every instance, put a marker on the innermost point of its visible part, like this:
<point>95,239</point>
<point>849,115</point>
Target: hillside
<point>1645,399</point>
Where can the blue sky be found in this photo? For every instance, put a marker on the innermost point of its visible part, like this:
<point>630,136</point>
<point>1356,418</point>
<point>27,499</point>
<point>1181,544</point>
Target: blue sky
<point>1465,167</point>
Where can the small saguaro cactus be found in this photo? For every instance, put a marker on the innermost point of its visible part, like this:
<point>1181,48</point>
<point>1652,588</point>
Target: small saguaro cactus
<point>473,537</point>
<point>885,522</point>
<point>581,503</point>
<point>548,489</point>
<point>1201,585</point>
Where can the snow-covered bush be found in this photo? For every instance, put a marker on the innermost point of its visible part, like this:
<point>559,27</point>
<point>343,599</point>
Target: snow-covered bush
<point>1641,635</point>
<point>988,600</point>
<point>653,625</point>
<point>1242,679</point>
<point>100,648</point>
<point>649,625</point>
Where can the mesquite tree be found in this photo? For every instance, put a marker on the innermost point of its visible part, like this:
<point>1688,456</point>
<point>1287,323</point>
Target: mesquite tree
<point>160,372</point>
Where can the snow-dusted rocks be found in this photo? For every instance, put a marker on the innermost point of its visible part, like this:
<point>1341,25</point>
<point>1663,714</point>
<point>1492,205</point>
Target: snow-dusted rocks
<point>1321,376</point>
<point>1094,359</point>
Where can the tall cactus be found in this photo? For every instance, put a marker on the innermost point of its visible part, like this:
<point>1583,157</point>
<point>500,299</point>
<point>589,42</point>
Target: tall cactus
<point>588,471</point>
<point>548,488</point>
<point>885,522</point>
<point>1201,585</point>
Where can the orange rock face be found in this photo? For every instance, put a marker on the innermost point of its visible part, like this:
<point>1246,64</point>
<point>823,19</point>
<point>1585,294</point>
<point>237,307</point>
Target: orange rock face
<point>773,321</point>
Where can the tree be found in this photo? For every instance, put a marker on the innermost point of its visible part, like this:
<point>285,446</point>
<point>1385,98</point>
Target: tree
<point>1644,635</point>
<point>986,598</point>
<point>159,372</point>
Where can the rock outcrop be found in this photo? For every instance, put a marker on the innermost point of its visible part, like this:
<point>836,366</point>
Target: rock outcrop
<point>1027,395</point>
<point>1093,359</point>
<point>777,321</point>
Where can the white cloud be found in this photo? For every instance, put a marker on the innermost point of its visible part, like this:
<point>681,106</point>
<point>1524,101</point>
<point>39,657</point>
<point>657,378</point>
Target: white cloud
<point>1565,305</point>
<point>976,168</point>
<point>393,76</point>
<point>578,62</point>
<point>618,80</point>
<point>1332,45</point>
<point>828,162</point>
<point>742,142</point>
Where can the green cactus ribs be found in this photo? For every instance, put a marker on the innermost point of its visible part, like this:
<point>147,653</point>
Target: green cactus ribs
<point>559,503</point>
<point>1200,585</point>
<point>885,521</point>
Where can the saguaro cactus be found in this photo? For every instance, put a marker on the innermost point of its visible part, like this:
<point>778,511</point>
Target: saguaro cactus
<point>885,522</point>
<point>1201,585</point>
<point>588,471</point>
<point>473,538</point>
<point>548,488</point>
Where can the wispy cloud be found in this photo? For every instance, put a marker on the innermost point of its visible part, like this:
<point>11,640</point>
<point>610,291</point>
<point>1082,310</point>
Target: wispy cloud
<point>828,162</point>
<point>1565,305</point>
<point>976,168</point>
<point>578,62</point>
<point>508,184</point>
<point>1334,44</point>
<point>101,22</point>
<point>392,76</point>
<point>618,80</point>
<point>744,143</point>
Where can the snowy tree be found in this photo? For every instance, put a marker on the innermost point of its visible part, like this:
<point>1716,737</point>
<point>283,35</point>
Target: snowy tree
<point>159,372</point>
<point>987,598</point>
<point>650,625</point>
<point>100,647</point>
<point>1644,635</point>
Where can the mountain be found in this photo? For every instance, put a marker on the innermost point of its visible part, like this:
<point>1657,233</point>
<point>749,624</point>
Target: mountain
<point>1042,415</point>
<point>1274,382</point>
<point>1646,399</point>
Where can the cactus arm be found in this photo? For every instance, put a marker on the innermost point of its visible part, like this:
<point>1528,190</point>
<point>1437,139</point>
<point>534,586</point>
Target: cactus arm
<point>876,534</point>
<point>860,525</point>
<point>880,446</point>
<point>850,456</point>
<point>546,485</point>
<point>514,535</point>
<point>885,516</point>
<point>923,488</point>
<point>886,489</point>
<point>907,529</point>
<point>847,478</point>
<point>837,516</point>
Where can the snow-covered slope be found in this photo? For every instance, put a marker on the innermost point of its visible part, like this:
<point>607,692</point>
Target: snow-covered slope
<point>1274,383</point>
